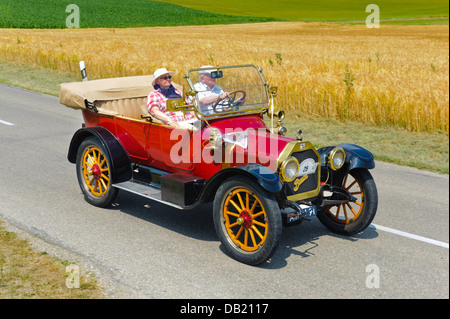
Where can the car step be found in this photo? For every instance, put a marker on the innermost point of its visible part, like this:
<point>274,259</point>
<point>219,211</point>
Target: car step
<point>147,191</point>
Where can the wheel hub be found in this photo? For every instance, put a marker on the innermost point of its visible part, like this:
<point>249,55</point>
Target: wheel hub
<point>246,219</point>
<point>96,171</point>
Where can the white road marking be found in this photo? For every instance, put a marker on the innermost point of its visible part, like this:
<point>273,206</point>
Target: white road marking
<point>408,235</point>
<point>6,123</point>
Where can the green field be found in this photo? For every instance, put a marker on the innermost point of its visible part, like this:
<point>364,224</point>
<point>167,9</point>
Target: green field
<point>47,14</point>
<point>321,10</point>
<point>139,13</point>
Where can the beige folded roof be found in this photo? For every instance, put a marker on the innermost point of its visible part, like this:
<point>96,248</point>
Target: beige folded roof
<point>73,94</point>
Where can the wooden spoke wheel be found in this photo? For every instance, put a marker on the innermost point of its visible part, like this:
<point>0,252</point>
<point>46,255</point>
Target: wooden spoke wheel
<point>247,220</point>
<point>94,173</point>
<point>353,217</point>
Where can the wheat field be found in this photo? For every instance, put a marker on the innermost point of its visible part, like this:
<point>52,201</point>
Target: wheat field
<point>394,75</point>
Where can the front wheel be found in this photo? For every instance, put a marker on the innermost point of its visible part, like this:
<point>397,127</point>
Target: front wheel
<point>247,220</point>
<point>353,217</point>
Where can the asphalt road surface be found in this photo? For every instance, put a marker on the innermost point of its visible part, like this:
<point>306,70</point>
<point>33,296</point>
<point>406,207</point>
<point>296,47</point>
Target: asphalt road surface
<point>142,249</point>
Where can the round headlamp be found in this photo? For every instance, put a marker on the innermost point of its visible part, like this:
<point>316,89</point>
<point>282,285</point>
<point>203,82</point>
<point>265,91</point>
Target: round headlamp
<point>289,169</point>
<point>336,158</point>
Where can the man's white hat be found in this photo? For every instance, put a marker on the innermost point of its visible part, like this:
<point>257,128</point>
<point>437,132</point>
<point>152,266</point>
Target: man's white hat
<point>209,67</point>
<point>160,72</point>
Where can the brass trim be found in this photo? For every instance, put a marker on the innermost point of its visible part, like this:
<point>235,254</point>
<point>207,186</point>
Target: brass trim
<point>331,156</point>
<point>283,169</point>
<point>300,146</point>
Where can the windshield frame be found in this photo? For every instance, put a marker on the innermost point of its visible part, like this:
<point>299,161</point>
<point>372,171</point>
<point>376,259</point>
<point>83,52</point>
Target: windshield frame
<point>257,110</point>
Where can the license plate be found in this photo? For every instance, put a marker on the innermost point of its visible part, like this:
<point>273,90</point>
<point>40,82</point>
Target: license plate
<point>308,211</point>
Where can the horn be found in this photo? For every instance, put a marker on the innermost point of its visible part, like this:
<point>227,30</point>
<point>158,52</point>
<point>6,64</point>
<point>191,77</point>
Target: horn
<point>278,114</point>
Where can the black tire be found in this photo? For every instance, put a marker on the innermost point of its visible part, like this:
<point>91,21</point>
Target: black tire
<point>247,220</point>
<point>94,174</point>
<point>352,218</point>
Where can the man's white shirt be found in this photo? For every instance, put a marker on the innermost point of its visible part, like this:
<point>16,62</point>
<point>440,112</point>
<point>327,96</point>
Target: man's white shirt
<point>204,91</point>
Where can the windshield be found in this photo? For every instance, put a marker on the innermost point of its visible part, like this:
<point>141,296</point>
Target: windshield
<point>230,90</point>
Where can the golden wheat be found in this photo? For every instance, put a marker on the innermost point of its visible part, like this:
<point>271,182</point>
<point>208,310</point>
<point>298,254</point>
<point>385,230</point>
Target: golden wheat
<point>396,75</point>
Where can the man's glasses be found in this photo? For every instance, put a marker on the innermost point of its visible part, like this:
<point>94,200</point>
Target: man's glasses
<point>167,77</point>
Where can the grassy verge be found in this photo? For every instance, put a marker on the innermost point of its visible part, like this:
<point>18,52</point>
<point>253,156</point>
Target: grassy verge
<point>429,151</point>
<point>27,274</point>
<point>389,144</point>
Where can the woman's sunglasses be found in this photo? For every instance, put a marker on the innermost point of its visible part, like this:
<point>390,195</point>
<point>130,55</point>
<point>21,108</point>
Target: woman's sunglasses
<point>167,77</point>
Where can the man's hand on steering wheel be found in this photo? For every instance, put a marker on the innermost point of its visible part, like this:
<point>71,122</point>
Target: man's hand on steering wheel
<point>229,100</point>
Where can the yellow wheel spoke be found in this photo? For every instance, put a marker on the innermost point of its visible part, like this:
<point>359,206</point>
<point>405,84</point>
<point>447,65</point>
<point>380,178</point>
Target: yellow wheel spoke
<point>91,159</point>
<point>231,213</point>
<point>350,186</point>
<point>235,206</point>
<point>257,232</point>
<point>233,225</point>
<point>358,203</point>
<point>246,237</point>
<point>353,211</point>
<point>337,212</point>
<point>345,212</point>
<point>240,231</point>
<point>240,201</point>
<point>253,207</point>
<point>259,224</point>
<point>105,187</point>
<point>258,214</point>
<point>252,236</point>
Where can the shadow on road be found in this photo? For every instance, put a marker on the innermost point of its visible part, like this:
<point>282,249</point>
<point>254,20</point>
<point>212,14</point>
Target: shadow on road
<point>300,240</point>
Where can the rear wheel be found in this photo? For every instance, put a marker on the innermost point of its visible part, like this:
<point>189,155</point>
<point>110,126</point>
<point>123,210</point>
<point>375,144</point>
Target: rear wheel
<point>247,220</point>
<point>94,173</point>
<point>353,217</point>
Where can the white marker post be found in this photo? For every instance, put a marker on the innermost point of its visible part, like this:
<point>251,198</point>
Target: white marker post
<point>83,71</point>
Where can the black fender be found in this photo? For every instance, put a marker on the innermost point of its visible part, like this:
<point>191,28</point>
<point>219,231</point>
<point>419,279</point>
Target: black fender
<point>355,156</point>
<point>120,161</point>
<point>265,177</point>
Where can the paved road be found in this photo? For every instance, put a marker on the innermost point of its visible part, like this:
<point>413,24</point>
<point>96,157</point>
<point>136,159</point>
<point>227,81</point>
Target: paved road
<point>142,249</point>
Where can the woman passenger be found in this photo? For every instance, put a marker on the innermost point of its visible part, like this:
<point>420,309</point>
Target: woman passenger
<point>157,99</point>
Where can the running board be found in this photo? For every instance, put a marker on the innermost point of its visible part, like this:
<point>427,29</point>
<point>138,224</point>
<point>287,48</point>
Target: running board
<point>147,191</point>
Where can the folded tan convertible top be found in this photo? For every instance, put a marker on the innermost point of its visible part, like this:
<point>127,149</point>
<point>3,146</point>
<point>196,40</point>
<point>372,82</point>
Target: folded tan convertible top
<point>74,94</point>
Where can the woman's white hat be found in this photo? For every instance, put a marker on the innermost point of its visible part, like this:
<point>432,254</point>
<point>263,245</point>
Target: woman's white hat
<point>160,72</point>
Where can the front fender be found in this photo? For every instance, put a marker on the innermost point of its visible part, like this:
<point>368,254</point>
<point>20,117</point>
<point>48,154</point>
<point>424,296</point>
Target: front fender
<point>268,180</point>
<point>120,161</point>
<point>355,156</point>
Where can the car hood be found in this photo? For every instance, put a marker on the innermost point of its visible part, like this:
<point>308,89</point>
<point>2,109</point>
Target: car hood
<point>247,140</point>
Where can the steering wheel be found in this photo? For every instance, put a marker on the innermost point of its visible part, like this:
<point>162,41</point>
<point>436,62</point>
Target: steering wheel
<point>236,98</point>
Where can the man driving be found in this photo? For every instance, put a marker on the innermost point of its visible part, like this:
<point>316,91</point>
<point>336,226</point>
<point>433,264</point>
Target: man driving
<point>208,92</point>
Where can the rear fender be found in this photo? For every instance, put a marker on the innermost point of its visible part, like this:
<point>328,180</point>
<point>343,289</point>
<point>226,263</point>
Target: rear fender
<point>120,161</point>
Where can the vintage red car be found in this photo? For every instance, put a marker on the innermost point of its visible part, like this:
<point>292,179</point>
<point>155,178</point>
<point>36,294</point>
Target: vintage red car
<point>235,155</point>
